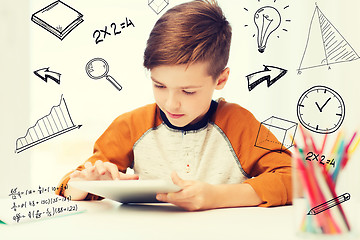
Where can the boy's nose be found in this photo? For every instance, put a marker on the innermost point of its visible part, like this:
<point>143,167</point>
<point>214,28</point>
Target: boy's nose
<point>172,103</point>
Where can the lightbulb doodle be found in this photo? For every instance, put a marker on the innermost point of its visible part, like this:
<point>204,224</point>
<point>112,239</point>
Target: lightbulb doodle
<point>267,20</point>
<point>57,122</point>
<point>325,45</point>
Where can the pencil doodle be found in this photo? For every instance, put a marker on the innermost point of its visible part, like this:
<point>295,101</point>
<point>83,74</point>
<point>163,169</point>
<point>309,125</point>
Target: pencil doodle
<point>283,130</point>
<point>158,5</point>
<point>45,73</point>
<point>58,18</point>
<point>97,68</point>
<point>267,20</point>
<point>320,109</point>
<point>270,74</point>
<point>57,122</point>
<point>329,204</point>
<point>325,45</point>
<point>100,35</point>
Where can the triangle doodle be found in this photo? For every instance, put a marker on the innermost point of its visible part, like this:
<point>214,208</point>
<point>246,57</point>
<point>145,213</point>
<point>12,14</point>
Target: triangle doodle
<point>325,43</point>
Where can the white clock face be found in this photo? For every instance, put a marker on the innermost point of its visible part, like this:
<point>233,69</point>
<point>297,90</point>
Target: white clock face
<point>321,109</point>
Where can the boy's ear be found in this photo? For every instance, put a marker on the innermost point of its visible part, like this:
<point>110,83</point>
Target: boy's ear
<point>222,79</point>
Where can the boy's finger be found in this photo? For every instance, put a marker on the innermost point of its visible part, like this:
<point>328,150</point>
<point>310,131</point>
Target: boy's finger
<point>99,165</point>
<point>88,165</point>
<point>174,198</point>
<point>124,176</point>
<point>161,197</point>
<point>74,174</point>
<point>113,170</point>
<point>177,180</point>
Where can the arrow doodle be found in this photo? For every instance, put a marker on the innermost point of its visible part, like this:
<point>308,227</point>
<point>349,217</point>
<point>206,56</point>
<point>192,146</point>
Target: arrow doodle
<point>44,74</point>
<point>270,73</point>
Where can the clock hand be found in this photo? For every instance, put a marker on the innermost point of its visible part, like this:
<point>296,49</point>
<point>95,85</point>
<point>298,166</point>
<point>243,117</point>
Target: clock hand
<point>320,109</point>
<point>324,104</point>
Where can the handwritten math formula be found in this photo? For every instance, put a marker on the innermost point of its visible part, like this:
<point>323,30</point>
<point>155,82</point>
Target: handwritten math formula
<point>15,193</point>
<point>114,29</point>
<point>32,204</point>
<point>49,212</point>
<point>311,156</point>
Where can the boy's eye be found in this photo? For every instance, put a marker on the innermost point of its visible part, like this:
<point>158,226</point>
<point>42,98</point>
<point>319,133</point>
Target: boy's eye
<point>188,92</point>
<point>158,86</point>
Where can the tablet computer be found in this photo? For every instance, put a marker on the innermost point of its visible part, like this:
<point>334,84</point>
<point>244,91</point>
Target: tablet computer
<point>127,191</point>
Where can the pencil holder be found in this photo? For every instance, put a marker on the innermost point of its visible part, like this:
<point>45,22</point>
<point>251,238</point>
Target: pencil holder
<point>323,206</point>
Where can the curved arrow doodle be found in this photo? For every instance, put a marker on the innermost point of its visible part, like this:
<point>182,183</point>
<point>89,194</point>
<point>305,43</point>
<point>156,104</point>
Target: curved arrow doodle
<point>44,74</point>
<point>270,73</point>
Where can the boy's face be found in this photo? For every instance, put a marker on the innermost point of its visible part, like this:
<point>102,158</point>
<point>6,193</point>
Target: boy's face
<point>184,94</point>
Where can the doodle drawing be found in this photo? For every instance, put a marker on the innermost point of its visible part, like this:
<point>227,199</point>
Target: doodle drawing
<point>320,109</point>
<point>98,68</point>
<point>58,18</point>
<point>325,45</point>
<point>270,74</point>
<point>267,20</point>
<point>57,122</point>
<point>329,204</point>
<point>45,73</point>
<point>284,131</point>
<point>158,5</point>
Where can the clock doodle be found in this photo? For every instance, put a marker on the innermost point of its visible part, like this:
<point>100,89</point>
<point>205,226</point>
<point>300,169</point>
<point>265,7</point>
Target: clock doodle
<point>320,109</point>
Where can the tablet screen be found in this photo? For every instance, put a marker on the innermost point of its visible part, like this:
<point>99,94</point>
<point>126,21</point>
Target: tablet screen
<point>127,191</point>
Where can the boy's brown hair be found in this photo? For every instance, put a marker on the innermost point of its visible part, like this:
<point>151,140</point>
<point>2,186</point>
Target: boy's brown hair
<point>191,32</point>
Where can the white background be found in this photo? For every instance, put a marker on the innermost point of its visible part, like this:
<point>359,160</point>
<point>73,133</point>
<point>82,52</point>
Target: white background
<point>26,47</point>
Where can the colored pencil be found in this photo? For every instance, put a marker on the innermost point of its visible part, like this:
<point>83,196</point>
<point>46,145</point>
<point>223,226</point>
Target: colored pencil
<point>319,183</point>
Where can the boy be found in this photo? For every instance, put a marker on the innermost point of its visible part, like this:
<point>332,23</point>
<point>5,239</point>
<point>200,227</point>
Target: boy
<point>206,146</point>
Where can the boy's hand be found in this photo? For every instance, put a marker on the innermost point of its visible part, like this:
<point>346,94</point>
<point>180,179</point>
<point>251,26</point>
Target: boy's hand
<point>195,195</point>
<point>99,171</point>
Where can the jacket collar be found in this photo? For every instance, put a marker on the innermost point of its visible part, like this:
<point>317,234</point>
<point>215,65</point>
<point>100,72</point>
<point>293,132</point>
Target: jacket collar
<point>196,126</point>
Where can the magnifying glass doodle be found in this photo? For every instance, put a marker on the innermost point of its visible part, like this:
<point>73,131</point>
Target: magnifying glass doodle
<point>98,68</point>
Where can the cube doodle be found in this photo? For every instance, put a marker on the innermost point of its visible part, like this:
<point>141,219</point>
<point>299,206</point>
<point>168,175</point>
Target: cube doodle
<point>158,5</point>
<point>282,129</point>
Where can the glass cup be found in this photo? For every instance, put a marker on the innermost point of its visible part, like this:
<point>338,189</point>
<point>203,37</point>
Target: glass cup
<point>325,196</point>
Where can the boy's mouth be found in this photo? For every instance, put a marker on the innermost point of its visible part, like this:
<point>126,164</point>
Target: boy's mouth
<point>174,116</point>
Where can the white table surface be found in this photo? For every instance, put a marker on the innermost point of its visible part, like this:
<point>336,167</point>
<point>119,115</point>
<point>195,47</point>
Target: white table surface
<point>107,219</point>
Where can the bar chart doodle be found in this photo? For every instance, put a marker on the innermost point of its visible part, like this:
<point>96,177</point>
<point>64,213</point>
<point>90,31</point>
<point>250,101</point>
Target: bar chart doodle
<point>57,122</point>
<point>325,45</point>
